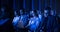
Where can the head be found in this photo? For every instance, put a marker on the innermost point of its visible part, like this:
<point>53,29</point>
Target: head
<point>6,12</point>
<point>47,11</point>
<point>21,12</point>
<point>39,12</point>
<point>2,11</point>
<point>33,13</point>
<point>53,12</point>
<point>16,13</point>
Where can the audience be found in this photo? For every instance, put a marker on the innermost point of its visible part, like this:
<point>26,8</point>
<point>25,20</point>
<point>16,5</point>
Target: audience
<point>28,21</point>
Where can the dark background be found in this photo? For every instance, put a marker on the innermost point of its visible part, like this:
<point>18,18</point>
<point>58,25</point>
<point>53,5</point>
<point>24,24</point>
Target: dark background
<point>32,4</point>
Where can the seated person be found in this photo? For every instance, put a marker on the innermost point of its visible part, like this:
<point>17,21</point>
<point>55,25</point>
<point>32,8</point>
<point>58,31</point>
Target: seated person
<point>6,16</point>
<point>20,21</point>
<point>33,22</point>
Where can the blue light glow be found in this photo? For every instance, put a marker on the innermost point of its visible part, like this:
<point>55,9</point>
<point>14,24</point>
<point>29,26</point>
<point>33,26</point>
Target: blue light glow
<point>40,16</point>
<point>15,20</point>
<point>3,21</point>
<point>34,22</point>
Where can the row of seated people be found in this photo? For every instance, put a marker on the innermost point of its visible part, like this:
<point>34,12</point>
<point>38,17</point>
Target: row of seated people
<point>36,21</point>
<point>32,21</point>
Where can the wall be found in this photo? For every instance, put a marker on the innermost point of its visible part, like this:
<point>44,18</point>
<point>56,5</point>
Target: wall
<point>33,4</point>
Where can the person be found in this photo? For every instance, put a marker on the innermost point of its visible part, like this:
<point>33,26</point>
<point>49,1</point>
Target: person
<point>16,17</point>
<point>57,27</point>
<point>23,17</point>
<point>21,21</point>
<point>53,12</point>
<point>6,17</point>
<point>50,22</point>
<point>15,20</point>
<point>40,16</point>
<point>43,27</point>
<point>33,22</point>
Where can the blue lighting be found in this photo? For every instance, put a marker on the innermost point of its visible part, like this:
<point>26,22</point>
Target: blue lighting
<point>40,17</point>
<point>32,4</point>
<point>34,22</point>
<point>3,21</point>
<point>24,4</point>
<point>15,20</point>
<point>24,18</point>
<point>39,5</point>
<point>50,3</point>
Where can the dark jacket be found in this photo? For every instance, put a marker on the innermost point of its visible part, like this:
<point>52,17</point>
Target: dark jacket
<point>48,24</point>
<point>51,24</point>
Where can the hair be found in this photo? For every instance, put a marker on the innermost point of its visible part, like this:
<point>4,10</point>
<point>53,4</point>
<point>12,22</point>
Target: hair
<point>18,13</point>
<point>48,8</point>
<point>23,10</point>
<point>35,12</point>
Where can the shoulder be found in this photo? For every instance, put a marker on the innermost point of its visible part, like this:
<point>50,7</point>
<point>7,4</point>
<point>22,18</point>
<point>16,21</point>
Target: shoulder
<point>15,18</point>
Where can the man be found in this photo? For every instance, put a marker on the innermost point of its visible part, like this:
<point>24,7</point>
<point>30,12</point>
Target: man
<point>15,20</point>
<point>49,21</point>
<point>53,12</point>
<point>6,17</point>
<point>44,22</point>
<point>21,21</point>
<point>40,15</point>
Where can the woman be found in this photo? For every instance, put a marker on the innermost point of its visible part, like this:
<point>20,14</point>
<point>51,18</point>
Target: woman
<point>33,22</point>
